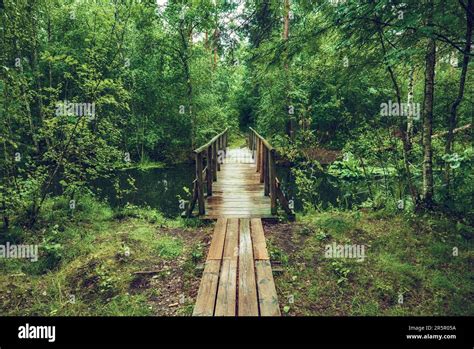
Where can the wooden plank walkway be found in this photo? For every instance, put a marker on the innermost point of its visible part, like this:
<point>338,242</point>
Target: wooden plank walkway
<point>238,192</point>
<point>237,278</point>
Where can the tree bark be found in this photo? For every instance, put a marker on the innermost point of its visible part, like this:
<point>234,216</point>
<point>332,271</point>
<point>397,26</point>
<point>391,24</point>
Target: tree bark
<point>430,59</point>
<point>286,34</point>
<point>401,126</point>
<point>410,99</point>
<point>452,121</point>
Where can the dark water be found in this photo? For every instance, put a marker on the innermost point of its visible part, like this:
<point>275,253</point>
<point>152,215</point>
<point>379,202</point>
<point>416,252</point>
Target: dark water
<point>161,188</point>
<point>158,188</point>
<point>327,190</point>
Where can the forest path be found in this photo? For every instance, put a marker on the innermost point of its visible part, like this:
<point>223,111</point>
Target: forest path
<point>237,278</point>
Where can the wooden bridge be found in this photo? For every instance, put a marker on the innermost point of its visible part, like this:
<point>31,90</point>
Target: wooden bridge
<point>238,182</point>
<point>241,188</point>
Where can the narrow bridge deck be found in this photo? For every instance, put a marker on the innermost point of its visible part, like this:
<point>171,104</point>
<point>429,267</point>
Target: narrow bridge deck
<point>241,189</point>
<point>237,278</point>
<point>238,191</point>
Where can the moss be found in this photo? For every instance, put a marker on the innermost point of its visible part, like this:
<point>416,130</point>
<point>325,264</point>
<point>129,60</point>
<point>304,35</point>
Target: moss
<point>409,267</point>
<point>97,257</point>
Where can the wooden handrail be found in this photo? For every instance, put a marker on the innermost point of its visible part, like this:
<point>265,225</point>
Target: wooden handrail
<point>214,139</point>
<point>265,155</point>
<point>265,142</point>
<point>208,173</point>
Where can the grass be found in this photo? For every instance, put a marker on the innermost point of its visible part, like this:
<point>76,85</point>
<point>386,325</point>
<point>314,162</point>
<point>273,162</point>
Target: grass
<point>409,269</point>
<point>88,264</point>
<point>89,259</point>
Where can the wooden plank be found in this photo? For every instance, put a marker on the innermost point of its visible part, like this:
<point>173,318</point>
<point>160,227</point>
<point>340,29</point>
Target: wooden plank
<point>217,245</point>
<point>237,205</point>
<point>232,240</point>
<point>248,305</point>
<point>234,198</point>
<point>226,212</point>
<point>213,216</point>
<point>206,297</point>
<point>267,296</point>
<point>227,208</point>
<point>258,240</point>
<point>238,191</point>
<point>227,291</point>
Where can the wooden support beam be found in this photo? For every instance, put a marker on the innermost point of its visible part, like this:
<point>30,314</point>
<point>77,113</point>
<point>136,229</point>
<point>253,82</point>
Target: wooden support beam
<point>214,162</point>
<point>209,171</point>
<point>282,199</point>
<point>266,184</point>
<point>199,183</point>
<point>257,154</point>
<point>193,200</point>
<point>218,149</point>
<point>262,162</point>
<point>272,184</point>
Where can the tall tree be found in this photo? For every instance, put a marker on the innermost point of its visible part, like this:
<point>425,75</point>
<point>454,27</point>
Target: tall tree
<point>452,121</point>
<point>430,61</point>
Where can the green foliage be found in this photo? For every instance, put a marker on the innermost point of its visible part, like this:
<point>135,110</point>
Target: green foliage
<point>168,247</point>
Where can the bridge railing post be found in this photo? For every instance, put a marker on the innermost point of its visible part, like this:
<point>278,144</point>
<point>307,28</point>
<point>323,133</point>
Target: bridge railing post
<point>218,152</point>
<point>200,191</point>
<point>214,162</point>
<point>210,151</point>
<point>254,145</point>
<point>265,158</point>
<point>250,141</point>
<point>209,171</point>
<point>266,183</point>
<point>261,157</point>
<point>272,168</point>
<point>257,154</point>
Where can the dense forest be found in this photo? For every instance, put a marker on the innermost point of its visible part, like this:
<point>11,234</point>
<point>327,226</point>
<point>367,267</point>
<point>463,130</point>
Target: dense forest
<point>373,99</point>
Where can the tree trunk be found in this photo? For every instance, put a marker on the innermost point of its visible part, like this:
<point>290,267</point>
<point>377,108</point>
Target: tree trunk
<point>401,126</point>
<point>410,98</point>
<point>462,81</point>
<point>286,34</point>
<point>430,59</point>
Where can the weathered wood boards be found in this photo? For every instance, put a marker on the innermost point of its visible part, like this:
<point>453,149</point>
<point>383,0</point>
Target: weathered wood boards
<point>248,305</point>
<point>237,278</point>
<point>207,289</point>
<point>227,292</point>
<point>218,239</point>
<point>258,239</point>
<point>238,191</point>
<point>267,296</point>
